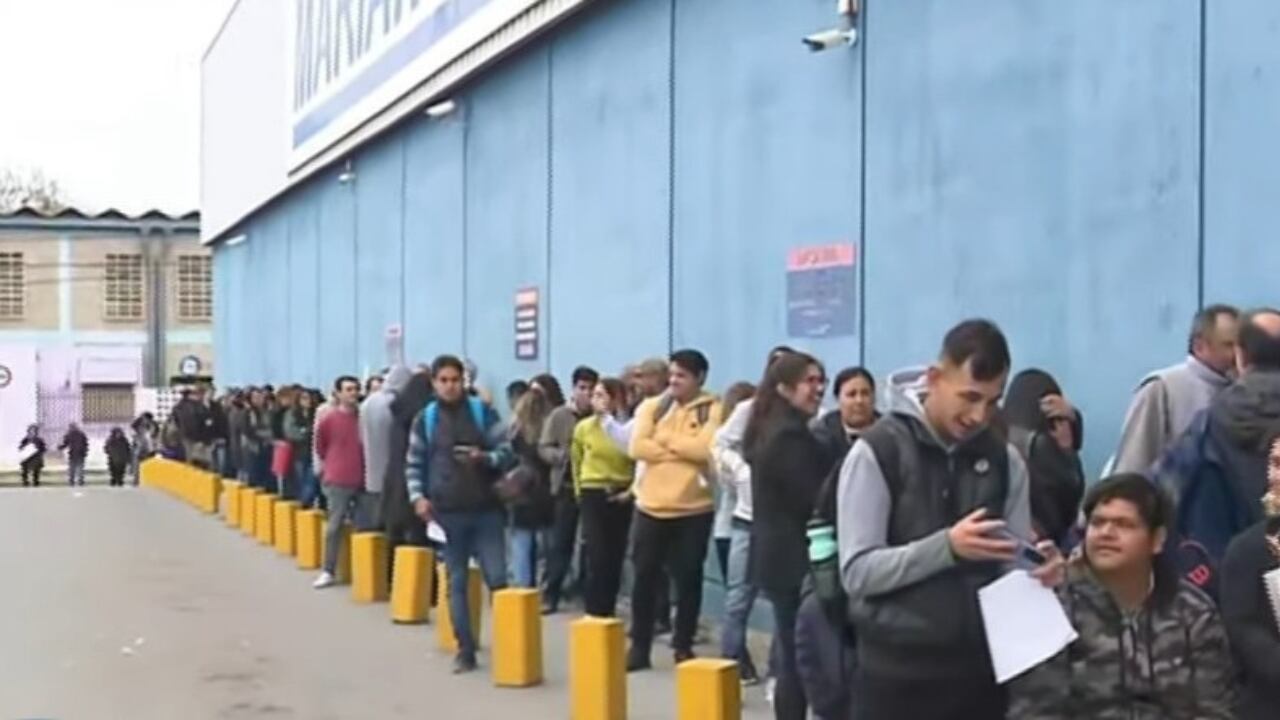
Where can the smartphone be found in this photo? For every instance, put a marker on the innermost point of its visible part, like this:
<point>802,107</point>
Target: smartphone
<point>1025,555</point>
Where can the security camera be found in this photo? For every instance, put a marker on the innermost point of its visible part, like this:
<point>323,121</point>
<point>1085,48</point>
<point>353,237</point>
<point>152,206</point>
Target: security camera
<point>828,39</point>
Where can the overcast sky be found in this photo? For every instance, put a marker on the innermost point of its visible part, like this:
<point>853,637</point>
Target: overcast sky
<point>104,97</point>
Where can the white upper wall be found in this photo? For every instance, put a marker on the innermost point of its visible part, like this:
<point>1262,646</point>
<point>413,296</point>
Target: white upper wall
<point>244,113</point>
<point>291,85</point>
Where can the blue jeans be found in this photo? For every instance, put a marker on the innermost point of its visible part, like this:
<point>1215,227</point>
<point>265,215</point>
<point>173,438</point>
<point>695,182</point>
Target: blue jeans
<point>308,483</point>
<point>524,557</point>
<point>479,535</point>
<point>741,596</point>
<point>75,472</point>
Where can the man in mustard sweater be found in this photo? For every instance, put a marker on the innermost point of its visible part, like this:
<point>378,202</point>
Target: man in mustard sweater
<point>674,505</point>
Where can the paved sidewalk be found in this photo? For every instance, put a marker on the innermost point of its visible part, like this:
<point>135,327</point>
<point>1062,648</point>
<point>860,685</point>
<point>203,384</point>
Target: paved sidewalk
<point>123,603</point>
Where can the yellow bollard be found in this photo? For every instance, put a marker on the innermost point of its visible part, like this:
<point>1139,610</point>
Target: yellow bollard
<point>285,538</point>
<point>369,567</point>
<point>517,638</point>
<point>264,518</point>
<point>412,581</point>
<point>231,502</point>
<point>187,480</point>
<point>708,689</point>
<point>212,491</point>
<point>597,670</point>
<point>248,508</point>
<point>310,541</point>
<point>444,626</point>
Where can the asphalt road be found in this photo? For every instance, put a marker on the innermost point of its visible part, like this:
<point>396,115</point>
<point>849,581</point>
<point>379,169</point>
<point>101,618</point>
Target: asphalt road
<point>124,604</point>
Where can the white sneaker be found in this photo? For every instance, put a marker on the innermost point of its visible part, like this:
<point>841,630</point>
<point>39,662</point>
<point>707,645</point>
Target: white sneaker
<point>325,580</point>
<point>770,690</point>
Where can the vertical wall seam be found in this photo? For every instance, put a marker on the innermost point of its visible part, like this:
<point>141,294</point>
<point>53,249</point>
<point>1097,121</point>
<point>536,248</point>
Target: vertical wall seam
<point>404,211</point>
<point>1200,188</point>
<point>355,257</point>
<point>862,192</point>
<point>545,295</point>
<point>671,181</point>
<point>466,139</point>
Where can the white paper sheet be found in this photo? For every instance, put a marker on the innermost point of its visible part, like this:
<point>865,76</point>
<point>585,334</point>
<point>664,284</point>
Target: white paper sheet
<point>435,533</point>
<point>27,452</point>
<point>1025,624</point>
<point>1271,581</point>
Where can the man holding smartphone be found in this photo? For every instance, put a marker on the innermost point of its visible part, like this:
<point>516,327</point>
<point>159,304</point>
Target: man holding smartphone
<point>930,507</point>
<point>456,454</point>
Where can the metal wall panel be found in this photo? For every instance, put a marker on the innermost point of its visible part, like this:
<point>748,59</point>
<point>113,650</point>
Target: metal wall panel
<point>379,254</point>
<point>767,158</point>
<point>607,301</point>
<point>1242,175</point>
<point>1044,176</point>
<point>506,211</point>
<point>433,250</point>
<point>337,307</point>
<point>304,330</point>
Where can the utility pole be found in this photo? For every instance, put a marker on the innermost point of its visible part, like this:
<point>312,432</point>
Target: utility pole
<point>156,249</point>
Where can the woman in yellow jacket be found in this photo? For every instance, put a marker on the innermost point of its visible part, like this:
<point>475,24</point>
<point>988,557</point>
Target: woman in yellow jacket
<point>602,474</point>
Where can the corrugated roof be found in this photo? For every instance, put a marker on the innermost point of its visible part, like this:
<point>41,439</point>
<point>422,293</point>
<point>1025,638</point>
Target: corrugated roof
<point>71,213</point>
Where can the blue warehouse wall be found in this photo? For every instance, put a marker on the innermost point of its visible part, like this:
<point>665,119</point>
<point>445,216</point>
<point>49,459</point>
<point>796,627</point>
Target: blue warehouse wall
<point>1087,174</point>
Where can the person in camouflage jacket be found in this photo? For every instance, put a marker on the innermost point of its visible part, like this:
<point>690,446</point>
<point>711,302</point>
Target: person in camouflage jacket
<point>1165,657</point>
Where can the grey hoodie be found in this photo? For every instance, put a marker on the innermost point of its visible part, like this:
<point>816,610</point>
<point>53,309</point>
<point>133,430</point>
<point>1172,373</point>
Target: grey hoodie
<point>377,423</point>
<point>1162,408</point>
<point>869,567</point>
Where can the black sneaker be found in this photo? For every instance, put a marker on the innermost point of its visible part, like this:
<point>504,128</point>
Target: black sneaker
<point>662,627</point>
<point>464,664</point>
<point>550,606</point>
<point>637,661</point>
<point>748,675</point>
<point>684,655</point>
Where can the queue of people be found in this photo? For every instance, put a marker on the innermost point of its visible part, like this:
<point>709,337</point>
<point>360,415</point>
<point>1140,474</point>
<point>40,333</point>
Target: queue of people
<point>868,528</point>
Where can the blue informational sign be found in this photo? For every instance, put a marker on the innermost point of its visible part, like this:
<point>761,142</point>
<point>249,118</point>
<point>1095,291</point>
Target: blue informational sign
<point>822,291</point>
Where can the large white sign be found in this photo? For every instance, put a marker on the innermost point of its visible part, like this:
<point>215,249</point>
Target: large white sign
<point>291,85</point>
<point>352,58</point>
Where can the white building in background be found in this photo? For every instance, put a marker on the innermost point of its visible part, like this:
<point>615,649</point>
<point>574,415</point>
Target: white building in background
<point>92,309</point>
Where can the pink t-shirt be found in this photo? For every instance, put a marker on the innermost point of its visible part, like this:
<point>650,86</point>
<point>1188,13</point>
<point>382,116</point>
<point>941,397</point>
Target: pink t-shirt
<point>338,447</point>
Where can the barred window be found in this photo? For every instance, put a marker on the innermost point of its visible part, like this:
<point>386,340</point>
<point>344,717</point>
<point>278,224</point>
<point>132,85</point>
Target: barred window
<point>107,403</point>
<point>13,286</point>
<point>122,294</point>
<point>195,288</point>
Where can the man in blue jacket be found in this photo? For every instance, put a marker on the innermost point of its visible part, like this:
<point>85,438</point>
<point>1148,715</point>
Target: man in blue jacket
<point>456,454</point>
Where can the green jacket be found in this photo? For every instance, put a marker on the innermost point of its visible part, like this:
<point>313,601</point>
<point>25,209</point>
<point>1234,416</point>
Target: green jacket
<point>1170,661</point>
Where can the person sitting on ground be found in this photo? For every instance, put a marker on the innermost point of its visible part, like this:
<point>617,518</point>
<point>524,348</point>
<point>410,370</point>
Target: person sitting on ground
<point>1150,646</point>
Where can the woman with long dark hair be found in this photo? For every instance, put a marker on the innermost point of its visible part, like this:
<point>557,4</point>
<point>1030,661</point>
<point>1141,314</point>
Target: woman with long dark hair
<point>787,470</point>
<point>602,474</point>
<point>299,426</point>
<point>1047,431</point>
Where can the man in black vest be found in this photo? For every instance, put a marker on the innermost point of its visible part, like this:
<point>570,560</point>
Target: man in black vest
<point>929,502</point>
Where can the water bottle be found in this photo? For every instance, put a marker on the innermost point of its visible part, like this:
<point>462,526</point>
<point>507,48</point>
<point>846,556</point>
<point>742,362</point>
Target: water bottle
<point>824,561</point>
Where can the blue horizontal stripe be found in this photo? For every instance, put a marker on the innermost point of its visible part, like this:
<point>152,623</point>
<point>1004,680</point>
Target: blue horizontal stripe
<point>443,20</point>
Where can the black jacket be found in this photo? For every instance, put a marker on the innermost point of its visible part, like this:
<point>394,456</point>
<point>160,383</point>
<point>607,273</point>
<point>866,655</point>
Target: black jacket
<point>76,443</point>
<point>1240,420</point>
<point>1057,482</point>
<point>832,437</point>
<point>787,469</point>
<point>1251,625</point>
<point>408,404</point>
<point>35,461</point>
<point>117,450</point>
